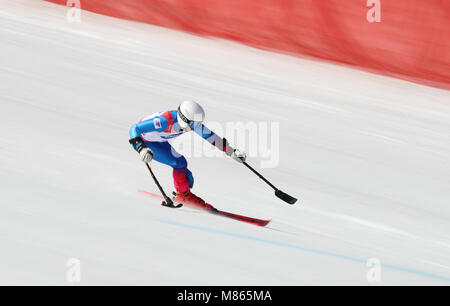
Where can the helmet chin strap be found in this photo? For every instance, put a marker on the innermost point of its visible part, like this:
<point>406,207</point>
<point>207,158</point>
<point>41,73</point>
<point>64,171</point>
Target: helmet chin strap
<point>188,129</point>
<point>183,129</point>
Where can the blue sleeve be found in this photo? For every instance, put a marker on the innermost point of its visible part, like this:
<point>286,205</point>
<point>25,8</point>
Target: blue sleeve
<point>155,124</point>
<point>212,138</point>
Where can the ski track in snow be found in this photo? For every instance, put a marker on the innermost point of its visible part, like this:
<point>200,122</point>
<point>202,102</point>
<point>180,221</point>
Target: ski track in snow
<point>367,156</point>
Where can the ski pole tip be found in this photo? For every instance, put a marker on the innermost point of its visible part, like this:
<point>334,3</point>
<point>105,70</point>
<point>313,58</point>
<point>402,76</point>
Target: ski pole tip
<point>285,197</point>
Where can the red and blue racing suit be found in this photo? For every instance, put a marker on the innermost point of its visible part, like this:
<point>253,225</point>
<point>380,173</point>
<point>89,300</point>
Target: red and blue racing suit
<point>156,130</point>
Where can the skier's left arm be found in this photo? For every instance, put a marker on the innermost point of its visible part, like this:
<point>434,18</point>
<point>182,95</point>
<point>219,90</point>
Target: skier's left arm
<point>221,143</point>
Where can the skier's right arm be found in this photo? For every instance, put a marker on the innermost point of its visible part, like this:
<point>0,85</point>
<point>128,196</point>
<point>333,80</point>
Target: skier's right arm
<point>157,124</point>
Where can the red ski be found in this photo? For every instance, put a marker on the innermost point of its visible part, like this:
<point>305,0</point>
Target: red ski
<point>254,221</point>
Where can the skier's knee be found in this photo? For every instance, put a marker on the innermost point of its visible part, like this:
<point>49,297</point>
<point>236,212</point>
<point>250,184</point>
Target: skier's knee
<point>180,163</point>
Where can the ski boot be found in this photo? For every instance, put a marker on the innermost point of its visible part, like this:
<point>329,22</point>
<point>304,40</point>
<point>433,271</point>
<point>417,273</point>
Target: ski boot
<point>188,197</point>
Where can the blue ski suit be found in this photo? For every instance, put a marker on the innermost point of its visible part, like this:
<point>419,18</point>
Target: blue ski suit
<point>156,130</point>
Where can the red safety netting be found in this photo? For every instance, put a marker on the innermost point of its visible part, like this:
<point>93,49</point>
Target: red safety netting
<point>412,41</point>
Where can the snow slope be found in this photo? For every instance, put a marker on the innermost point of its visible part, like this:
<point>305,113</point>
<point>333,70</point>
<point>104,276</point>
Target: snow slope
<point>367,156</point>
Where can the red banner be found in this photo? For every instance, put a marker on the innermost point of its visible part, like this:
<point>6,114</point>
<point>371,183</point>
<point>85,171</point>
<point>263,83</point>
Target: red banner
<point>409,39</point>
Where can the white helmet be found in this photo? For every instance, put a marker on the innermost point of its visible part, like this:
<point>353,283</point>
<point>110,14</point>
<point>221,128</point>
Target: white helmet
<point>190,115</point>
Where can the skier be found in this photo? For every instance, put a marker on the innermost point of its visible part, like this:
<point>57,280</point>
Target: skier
<point>150,139</point>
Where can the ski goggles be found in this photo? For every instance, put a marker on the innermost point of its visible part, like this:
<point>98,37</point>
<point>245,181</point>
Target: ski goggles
<point>193,124</point>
